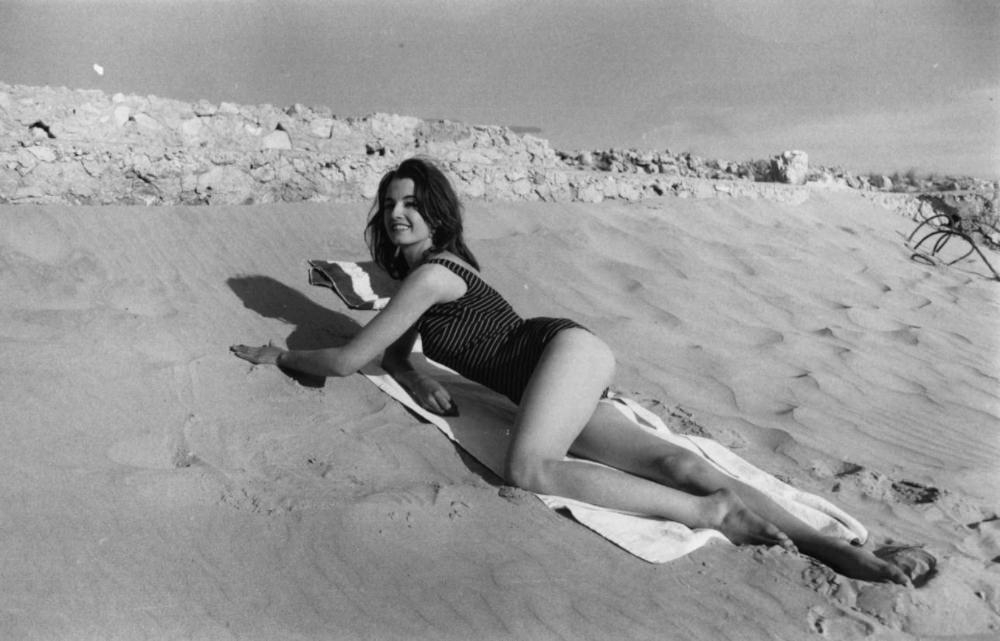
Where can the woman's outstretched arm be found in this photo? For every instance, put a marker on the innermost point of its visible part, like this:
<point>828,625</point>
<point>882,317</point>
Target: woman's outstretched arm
<point>424,287</point>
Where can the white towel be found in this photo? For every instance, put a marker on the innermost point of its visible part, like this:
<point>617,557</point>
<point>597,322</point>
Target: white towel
<point>349,281</point>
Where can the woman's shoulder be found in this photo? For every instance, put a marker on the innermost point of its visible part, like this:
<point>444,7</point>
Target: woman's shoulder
<point>447,284</point>
<point>451,258</point>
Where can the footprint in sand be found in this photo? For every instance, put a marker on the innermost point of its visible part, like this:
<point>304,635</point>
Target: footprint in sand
<point>167,451</point>
<point>879,486</point>
<point>166,472</point>
<point>835,622</point>
<point>984,539</point>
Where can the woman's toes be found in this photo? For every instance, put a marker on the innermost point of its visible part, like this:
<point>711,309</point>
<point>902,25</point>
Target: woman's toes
<point>784,541</point>
<point>896,575</point>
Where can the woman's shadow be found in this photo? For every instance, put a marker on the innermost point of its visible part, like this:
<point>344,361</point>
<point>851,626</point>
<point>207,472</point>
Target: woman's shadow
<point>315,325</point>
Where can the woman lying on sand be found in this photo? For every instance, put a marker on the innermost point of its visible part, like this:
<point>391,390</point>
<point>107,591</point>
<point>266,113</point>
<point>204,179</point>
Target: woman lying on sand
<point>555,371</point>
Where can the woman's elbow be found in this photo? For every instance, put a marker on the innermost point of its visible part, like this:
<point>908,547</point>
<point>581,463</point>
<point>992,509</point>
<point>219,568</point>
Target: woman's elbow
<point>339,365</point>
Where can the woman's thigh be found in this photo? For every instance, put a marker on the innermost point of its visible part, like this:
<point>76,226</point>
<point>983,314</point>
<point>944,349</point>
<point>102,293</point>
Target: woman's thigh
<point>560,398</point>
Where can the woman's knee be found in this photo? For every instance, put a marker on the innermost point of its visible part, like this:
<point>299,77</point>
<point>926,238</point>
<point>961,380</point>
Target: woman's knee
<point>684,469</point>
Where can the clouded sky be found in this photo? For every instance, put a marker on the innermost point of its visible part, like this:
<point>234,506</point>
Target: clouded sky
<point>868,84</point>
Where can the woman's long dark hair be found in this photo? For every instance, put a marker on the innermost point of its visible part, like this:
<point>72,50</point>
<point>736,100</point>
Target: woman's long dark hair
<point>437,203</point>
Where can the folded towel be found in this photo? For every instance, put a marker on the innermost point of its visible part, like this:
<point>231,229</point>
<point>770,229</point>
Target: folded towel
<point>483,430</point>
<point>349,281</point>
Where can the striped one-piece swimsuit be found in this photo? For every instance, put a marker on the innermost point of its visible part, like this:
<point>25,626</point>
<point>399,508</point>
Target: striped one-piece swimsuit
<point>481,337</point>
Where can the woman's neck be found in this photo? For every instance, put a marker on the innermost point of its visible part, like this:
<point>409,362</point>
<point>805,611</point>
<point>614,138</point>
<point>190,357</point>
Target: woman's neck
<point>416,255</point>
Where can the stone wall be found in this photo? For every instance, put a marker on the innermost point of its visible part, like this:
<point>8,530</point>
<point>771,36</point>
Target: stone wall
<point>85,147</point>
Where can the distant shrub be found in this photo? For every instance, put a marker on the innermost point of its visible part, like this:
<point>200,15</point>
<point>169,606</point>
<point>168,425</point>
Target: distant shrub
<point>761,170</point>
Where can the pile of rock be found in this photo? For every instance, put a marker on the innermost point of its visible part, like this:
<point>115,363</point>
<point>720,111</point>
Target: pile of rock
<point>85,147</point>
<point>636,161</point>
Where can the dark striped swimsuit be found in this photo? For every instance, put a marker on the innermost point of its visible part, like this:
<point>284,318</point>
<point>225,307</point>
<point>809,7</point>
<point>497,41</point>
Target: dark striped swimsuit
<point>481,337</point>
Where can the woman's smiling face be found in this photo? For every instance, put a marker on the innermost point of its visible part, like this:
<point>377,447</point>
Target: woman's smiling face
<point>403,221</point>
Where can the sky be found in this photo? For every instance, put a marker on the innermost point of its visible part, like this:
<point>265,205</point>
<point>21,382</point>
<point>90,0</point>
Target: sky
<point>868,85</point>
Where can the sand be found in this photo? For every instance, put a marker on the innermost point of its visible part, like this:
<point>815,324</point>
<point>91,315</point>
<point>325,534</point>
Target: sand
<point>156,487</point>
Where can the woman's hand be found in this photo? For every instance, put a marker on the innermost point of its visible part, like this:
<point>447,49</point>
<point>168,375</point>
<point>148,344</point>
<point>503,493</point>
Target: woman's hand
<point>263,355</point>
<point>433,397</point>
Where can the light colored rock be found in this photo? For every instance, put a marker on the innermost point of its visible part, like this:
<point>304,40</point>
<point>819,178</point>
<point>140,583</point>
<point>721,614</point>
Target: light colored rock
<point>191,127</point>
<point>474,188</point>
<point>277,139</point>
<point>27,193</point>
<point>263,174</point>
<point>610,188</point>
<point>589,194</point>
<point>93,166</point>
<point>522,187</point>
<point>791,167</point>
<point>225,185</point>
<point>8,185</point>
<point>341,129</point>
<point>121,115</point>
<point>145,121</point>
<point>321,127</point>
<point>393,126</point>
<point>473,156</point>
<point>26,161</point>
<point>515,173</point>
<point>43,154</point>
<point>369,188</point>
<point>629,191</point>
<point>205,108</point>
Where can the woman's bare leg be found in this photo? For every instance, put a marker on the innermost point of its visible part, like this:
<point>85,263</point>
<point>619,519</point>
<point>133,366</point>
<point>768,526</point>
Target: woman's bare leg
<point>558,403</point>
<point>612,439</point>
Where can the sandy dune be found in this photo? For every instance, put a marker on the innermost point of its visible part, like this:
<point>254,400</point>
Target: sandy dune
<point>156,487</point>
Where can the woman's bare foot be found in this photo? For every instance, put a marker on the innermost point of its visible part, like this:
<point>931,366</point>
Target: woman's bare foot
<point>857,563</point>
<point>727,513</point>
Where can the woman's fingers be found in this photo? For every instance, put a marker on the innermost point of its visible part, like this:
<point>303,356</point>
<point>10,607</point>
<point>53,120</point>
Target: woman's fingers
<point>430,403</point>
<point>239,350</point>
<point>437,400</point>
<point>246,352</point>
<point>444,403</point>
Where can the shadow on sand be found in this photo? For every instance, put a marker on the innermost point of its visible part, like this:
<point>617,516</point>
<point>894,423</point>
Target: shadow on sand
<point>314,325</point>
